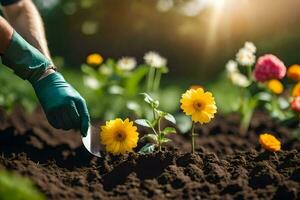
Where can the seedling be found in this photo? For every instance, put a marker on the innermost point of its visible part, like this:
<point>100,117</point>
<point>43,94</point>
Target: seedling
<point>158,137</point>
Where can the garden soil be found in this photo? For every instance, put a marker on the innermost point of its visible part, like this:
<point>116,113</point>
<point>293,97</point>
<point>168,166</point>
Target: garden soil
<point>227,165</point>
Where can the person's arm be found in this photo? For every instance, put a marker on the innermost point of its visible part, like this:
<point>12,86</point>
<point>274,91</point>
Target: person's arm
<point>26,20</point>
<point>6,32</point>
<point>63,105</point>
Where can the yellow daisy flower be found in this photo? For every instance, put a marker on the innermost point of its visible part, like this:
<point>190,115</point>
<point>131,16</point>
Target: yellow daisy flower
<point>199,104</point>
<point>296,90</point>
<point>94,59</point>
<point>294,72</point>
<point>275,86</point>
<point>119,136</point>
<point>269,142</point>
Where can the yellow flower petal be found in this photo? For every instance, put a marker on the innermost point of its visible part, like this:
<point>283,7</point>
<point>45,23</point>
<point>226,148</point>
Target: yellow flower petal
<point>119,136</point>
<point>269,142</point>
<point>199,105</point>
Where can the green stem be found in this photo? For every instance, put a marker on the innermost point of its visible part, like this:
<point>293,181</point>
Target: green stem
<point>157,81</point>
<point>249,72</point>
<point>159,135</point>
<point>154,115</point>
<point>193,138</point>
<point>150,79</point>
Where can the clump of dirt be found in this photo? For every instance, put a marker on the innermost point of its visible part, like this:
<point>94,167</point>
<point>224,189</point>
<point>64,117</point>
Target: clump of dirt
<point>227,165</point>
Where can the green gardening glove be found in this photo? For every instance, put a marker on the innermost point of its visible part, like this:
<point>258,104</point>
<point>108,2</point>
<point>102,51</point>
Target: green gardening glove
<point>63,105</point>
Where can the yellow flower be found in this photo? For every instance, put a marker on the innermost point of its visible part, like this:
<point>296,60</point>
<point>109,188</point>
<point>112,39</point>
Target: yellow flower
<point>199,104</point>
<point>119,136</point>
<point>195,87</point>
<point>275,86</point>
<point>294,72</point>
<point>296,90</point>
<point>94,59</point>
<point>269,142</point>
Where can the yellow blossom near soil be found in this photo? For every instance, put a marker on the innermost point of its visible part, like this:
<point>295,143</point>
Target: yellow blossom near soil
<point>196,87</point>
<point>199,104</point>
<point>275,86</point>
<point>119,136</point>
<point>294,72</point>
<point>269,142</point>
<point>296,90</point>
<point>94,59</point>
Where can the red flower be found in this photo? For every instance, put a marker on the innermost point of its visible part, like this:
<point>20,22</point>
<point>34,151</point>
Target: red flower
<point>269,67</point>
<point>295,104</point>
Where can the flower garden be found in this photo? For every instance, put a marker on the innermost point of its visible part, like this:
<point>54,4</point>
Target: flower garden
<point>157,142</point>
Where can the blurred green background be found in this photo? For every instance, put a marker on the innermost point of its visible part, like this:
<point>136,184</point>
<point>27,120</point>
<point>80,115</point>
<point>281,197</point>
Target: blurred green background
<point>196,36</point>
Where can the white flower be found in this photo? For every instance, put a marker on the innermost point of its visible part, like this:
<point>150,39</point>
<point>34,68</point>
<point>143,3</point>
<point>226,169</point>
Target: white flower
<point>164,5</point>
<point>126,63</point>
<point>239,79</point>
<point>231,66</point>
<point>155,60</point>
<point>245,57</point>
<point>193,7</point>
<point>250,47</point>
<point>105,70</point>
<point>91,82</point>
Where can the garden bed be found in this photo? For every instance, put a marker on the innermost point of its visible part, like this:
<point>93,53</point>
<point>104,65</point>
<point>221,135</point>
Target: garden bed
<point>227,165</point>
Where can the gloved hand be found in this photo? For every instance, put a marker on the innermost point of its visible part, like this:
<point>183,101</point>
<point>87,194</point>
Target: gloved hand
<point>62,104</point>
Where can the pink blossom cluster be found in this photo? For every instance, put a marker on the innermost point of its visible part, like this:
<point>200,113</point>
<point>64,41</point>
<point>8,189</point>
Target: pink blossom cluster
<point>269,67</point>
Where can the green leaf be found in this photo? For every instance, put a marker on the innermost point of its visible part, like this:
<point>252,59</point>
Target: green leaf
<point>169,130</point>
<point>148,99</point>
<point>13,186</point>
<point>151,137</point>
<point>133,81</point>
<point>165,140</point>
<point>148,148</point>
<point>164,69</point>
<point>170,118</point>
<point>143,122</point>
<point>264,96</point>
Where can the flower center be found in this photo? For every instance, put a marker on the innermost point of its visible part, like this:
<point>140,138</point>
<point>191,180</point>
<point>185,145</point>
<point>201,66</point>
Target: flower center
<point>198,105</point>
<point>120,136</point>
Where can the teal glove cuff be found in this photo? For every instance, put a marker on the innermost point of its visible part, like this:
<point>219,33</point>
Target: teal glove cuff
<point>26,61</point>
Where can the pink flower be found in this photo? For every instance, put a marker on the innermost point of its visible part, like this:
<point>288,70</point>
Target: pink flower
<point>269,67</point>
<point>295,104</point>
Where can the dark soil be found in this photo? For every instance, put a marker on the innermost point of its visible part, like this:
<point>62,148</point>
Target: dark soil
<point>227,165</point>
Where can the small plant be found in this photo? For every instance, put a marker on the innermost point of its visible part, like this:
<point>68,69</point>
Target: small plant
<point>17,188</point>
<point>269,142</point>
<point>201,106</point>
<point>118,136</point>
<point>158,136</point>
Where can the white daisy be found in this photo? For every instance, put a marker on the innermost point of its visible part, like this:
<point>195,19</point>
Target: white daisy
<point>155,60</point>
<point>126,63</point>
<point>91,82</point>
<point>164,5</point>
<point>231,66</point>
<point>250,47</point>
<point>245,57</point>
<point>239,79</point>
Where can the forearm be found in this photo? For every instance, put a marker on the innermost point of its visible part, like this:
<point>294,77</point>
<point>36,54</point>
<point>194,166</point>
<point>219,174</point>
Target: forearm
<point>26,20</point>
<point>6,32</point>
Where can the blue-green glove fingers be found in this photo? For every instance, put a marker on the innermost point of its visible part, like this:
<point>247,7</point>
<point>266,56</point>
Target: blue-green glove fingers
<point>63,105</point>
<point>53,120</point>
<point>74,115</point>
<point>67,120</point>
<point>84,116</point>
